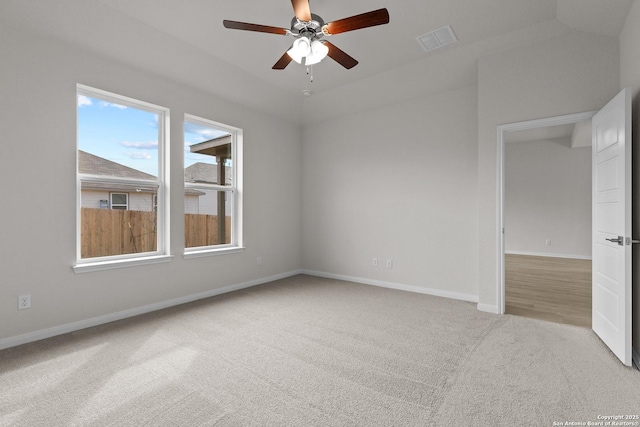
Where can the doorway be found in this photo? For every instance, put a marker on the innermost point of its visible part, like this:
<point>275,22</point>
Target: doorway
<point>547,264</point>
<point>611,210</point>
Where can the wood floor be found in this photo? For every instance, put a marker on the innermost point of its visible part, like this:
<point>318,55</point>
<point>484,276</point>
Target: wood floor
<point>553,289</point>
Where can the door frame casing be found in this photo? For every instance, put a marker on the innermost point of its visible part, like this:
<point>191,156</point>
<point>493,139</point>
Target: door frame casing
<point>502,129</point>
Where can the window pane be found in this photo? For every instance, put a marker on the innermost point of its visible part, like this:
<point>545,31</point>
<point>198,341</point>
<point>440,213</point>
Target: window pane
<point>119,199</point>
<point>118,170</point>
<point>207,158</point>
<point>116,231</point>
<point>203,209</point>
<point>116,140</point>
<point>208,163</point>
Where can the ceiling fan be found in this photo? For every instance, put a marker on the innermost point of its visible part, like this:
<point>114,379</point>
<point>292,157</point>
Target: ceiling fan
<point>310,30</point>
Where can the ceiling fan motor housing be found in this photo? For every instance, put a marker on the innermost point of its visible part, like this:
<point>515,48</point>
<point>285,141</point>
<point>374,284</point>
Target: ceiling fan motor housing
<point>311,29</point>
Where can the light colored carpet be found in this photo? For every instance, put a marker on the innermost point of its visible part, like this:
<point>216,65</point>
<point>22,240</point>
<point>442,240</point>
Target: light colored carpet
<point>306,351</point>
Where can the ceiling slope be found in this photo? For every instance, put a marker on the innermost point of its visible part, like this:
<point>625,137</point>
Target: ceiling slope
<point>187,42</point>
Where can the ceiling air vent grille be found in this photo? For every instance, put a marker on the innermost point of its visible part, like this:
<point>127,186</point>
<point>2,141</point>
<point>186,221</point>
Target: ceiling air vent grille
<point>438,38</point>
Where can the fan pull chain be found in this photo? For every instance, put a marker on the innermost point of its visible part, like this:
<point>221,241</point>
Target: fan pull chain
<point>310,72</point>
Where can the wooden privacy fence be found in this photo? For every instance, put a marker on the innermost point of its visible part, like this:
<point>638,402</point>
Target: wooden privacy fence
<point>106,232</point>
<point>115,232</point>
<point>202,230</point>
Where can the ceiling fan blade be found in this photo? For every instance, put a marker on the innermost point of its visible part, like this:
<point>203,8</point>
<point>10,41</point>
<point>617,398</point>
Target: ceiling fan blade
<point>301,9</point>
<point>282,62</point>
<point>340,57</point>
<point>235,25</point>
<point>364,20</point>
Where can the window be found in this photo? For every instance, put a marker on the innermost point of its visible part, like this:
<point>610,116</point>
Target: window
<point>212,181</point>
<point>120,201</point>
<point>122,214</point>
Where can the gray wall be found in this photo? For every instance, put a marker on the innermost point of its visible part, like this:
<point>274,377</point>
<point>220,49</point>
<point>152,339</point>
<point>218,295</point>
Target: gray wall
<point>547,198</point>
<point>38,156</point>
<point>396,183</point>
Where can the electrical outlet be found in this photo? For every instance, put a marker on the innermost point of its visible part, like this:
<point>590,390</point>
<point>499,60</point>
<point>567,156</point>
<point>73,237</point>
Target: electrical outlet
<point>259,260</point>
<point>374,262</point>
<point>24,301</point>
<point>389,263</point>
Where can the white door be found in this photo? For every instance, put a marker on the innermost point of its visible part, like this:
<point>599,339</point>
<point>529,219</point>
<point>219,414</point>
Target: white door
<point>611,203</point>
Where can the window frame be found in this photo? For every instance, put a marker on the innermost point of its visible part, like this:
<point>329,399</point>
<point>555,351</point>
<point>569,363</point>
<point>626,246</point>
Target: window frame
<point>114,193</point>
<point>235,189</point>
<point>162,253</point>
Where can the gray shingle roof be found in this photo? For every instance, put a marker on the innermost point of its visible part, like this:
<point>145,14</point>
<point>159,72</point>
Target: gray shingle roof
<point>205,173</point>
<point>91,164</point>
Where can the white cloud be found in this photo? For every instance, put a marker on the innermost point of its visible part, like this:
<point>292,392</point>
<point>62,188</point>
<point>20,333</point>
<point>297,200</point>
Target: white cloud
<point>205,132</point>
<point>194,140</point>
<point>138,155</point>
<point>140,145</point>
<point>111,104</point>
<point>83,100</point>
<point>211,133</point>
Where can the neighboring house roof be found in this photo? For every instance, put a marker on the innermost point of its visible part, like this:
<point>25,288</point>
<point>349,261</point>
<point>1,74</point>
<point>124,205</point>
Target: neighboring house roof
<point>91,164</point>
<point>205,173</point>
<point>219,147</point>
<point>94,165</point>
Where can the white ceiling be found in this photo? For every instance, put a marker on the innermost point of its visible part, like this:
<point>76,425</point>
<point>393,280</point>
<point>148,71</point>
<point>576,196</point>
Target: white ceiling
<point>185,40</point>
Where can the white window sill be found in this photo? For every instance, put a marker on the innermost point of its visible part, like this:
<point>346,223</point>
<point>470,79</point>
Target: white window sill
<point>212,252</point>
<point>121,263</point>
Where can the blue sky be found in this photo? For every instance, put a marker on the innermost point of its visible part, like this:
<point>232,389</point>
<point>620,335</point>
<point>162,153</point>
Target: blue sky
<point>194,134</point>
<point>129,136</point>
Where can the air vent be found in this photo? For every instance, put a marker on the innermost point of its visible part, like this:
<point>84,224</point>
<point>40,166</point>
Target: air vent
<point>438,38</point>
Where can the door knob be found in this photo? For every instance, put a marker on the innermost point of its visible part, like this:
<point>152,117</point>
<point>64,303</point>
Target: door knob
<point>619,240</point>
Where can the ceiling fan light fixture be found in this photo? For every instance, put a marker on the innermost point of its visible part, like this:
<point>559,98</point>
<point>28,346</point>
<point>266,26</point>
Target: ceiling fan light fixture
<point>318,53</point>
<point>301,48</point>
<point>308,29</point>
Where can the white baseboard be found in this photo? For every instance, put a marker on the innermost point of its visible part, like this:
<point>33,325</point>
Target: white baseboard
<point>398,286</point>
<point>635,356</point>
<point>544,254</point>
<point>488,308</point>
<point>95,321</point>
